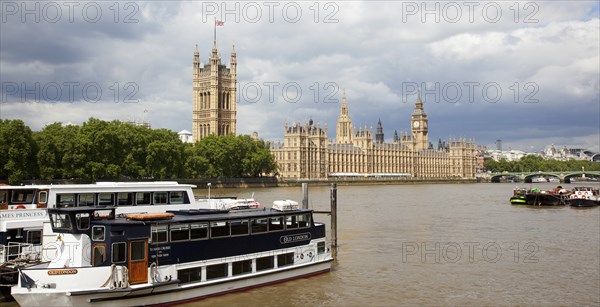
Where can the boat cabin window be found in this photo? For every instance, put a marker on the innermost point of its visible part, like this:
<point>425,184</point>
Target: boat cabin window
<point>42,197</point>
<point>159,234</point>
<point>216,271</point>
<point>320,247</point>
<point>260,225</point>
<point>198,231</point>
<point>161,198</point>
<point>65,200</point>
<point>83,221</point>
<point>138,250</point>
<point>189,275</point>
<point>291,222</point>
<point>118,252</point>
<point>219,229</point>
<point>142,198</point>
<point>61,221</point>
<point>180,232</point>
<point>98,254</point>
<point>106,199</point>
<point>264,263</point>
<point>86,199</point>
<point>98,233</point>
<point>34,236</point>
<point>3,197</point>
<point>304,220</point>
<point>276,223</point>
<point>241,267</point>
<point>239,227</point>
<point>285,259</point>
<point>22,196</point>
<point>125,199</point>
<point>176,197</point>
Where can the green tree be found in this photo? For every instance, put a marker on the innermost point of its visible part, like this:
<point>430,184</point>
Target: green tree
<point>164,155</point>
<point>17,151</point>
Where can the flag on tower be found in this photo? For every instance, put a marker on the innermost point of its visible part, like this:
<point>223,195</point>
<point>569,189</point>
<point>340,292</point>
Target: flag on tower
<point>219,23</point>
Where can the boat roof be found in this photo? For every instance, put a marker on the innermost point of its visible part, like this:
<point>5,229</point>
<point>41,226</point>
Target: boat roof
<point>583,188</point>
<point>202,215</point>
<point>101,185</point>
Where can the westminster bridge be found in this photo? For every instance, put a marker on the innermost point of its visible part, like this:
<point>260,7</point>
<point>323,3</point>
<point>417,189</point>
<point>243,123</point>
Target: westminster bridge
<point>562,176</point>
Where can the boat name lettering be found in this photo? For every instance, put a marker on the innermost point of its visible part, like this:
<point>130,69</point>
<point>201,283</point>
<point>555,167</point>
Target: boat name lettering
<point>294,238</point>
<point>159,248</point>
<point>62,272</point>
<point>159,252</point>
<point>11,215</point>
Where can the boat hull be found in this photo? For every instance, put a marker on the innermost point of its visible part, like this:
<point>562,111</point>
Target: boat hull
<point>545,199</point>
<point>578,202</point>
<point>171,293</point>
<point>518,200</point>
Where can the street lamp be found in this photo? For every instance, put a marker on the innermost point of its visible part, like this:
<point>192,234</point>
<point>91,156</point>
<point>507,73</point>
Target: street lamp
<point>208,191</point>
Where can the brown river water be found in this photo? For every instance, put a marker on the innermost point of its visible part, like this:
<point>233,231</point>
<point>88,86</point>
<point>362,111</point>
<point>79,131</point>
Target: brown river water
<point>440,244</point>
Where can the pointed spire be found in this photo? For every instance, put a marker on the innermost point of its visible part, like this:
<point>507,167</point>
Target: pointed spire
<point>215,34</point>
<point>419,100</point>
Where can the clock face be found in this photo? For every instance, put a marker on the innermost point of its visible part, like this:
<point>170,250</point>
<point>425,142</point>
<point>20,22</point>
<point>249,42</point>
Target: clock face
<point>416,124</point>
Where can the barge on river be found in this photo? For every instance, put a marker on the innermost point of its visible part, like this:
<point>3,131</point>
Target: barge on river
<point>181,255</point>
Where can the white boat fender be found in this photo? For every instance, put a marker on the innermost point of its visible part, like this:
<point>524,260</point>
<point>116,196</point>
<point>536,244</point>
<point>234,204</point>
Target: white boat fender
<point>154,272</point>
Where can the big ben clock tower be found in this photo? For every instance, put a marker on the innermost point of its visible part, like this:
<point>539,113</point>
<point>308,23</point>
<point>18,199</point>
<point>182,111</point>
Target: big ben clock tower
<point>419,127</point>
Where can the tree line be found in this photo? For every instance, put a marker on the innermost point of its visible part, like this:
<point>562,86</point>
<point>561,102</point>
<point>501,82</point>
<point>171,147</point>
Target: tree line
<point>535,163</point>
<point>117,150</point>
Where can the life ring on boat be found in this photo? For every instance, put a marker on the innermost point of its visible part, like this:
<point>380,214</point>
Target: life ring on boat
<point>20,207</point>
<point>579,193</point>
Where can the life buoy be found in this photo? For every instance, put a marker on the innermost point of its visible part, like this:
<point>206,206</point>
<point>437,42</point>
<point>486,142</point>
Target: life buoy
<point>20,207</point>
<point>579,192</point>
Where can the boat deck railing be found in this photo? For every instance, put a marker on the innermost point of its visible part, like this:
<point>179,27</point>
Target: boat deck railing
<point>19,252</point>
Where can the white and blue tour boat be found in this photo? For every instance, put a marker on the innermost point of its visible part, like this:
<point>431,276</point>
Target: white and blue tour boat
<point>23,211</point>
<point>103,259</point>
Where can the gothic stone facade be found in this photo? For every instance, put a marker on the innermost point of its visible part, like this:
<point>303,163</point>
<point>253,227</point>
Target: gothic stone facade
<point>306,153</point>
<point>214,96</point>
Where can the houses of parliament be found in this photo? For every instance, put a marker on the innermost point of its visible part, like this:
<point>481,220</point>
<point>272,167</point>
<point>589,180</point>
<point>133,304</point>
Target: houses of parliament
<point>307,153</point>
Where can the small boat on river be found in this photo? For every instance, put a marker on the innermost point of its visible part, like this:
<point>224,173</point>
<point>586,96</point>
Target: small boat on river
<point>584,197</point>
<point>518,197</point>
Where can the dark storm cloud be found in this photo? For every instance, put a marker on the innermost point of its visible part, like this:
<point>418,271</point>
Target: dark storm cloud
<point>369,51</point>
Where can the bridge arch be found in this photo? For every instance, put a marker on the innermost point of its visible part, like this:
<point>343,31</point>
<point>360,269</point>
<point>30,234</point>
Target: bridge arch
<point>529,177</point>
<point>507,176</point>
<point>579,175</point>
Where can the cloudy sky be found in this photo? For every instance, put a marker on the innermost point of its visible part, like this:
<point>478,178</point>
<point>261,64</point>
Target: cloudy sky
<point>525,72</point>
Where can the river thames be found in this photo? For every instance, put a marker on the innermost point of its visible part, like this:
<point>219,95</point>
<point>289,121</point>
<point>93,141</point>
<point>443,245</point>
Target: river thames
<point>440,244</point>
